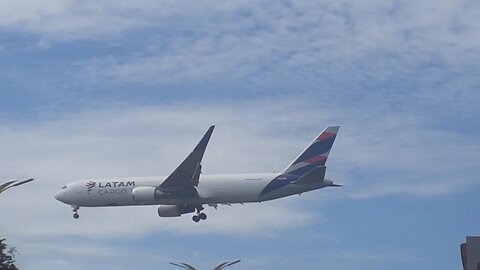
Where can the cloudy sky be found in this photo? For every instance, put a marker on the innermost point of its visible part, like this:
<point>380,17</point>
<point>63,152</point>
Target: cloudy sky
<point>126,88</point>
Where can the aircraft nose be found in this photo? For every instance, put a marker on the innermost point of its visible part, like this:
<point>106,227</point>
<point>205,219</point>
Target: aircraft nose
<point>60,195</point>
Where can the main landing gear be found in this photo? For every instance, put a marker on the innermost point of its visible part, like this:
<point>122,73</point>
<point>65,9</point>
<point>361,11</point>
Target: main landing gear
<point>75,211</point>
<point>199,216</point>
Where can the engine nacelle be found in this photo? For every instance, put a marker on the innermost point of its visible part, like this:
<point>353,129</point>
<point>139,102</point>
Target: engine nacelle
<point>174,210</point>
<point>144,195</point>
<point>169,211</point>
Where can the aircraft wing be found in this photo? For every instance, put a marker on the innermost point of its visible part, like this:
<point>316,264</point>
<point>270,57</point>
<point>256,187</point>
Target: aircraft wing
<point>187,174</point>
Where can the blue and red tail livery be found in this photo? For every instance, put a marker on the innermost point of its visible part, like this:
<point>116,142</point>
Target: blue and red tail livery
<point>315,154</point>
<point>312,158</point>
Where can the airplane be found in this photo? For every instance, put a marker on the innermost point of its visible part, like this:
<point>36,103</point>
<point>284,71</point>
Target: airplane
<point>187,190</point>
<point>218,267</point>
<point>13,183</point>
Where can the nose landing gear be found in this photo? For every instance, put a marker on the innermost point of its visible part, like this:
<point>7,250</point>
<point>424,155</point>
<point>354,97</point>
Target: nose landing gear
<point>199,216</point>
<point>75,211</point>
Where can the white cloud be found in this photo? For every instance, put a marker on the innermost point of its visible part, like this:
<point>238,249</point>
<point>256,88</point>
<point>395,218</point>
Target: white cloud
<point>381,40</point>
<point>65,19</point>
<point>364,259</point>
<point>60,20</point>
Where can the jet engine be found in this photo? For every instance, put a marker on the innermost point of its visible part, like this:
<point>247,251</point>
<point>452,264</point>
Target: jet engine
<point>145,195</point>
<point>174,210</point>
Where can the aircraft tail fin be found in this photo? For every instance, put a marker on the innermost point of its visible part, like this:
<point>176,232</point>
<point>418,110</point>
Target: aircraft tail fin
<point>315,154</point>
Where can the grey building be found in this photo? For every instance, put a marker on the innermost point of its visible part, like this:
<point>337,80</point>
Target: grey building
<point>470,251</point>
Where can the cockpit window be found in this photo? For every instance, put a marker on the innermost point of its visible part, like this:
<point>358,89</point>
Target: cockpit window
<point>64,187</point>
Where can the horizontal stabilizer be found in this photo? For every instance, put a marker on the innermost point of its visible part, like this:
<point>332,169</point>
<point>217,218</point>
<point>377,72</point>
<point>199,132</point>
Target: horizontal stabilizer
<point>315,175</point>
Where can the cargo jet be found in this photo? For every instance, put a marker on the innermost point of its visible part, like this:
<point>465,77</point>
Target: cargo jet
<point>187,190</point>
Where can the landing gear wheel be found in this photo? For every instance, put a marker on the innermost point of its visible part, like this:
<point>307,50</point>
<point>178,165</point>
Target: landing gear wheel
<point>75,210</point>
<point>199,216</point>
<point>196,218</point>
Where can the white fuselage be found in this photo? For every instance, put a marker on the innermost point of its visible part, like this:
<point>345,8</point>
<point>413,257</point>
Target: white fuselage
<point>212,189</point>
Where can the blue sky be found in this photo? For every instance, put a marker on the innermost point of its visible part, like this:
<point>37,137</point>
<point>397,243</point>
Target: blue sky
<point>117,88</point>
